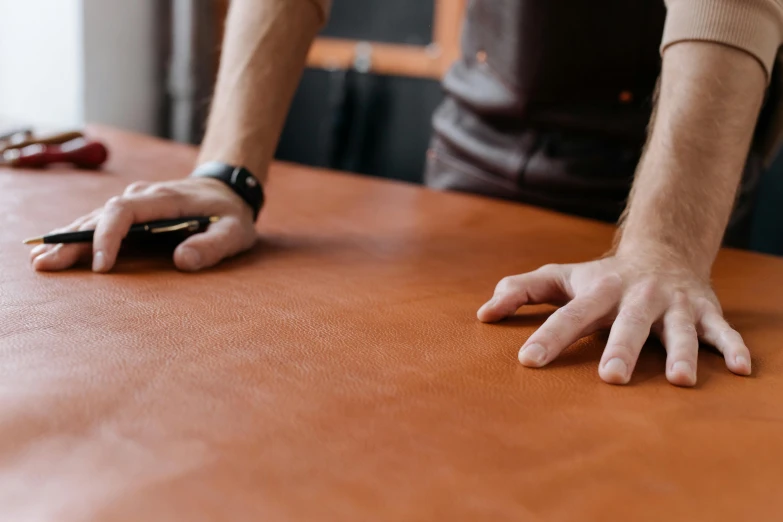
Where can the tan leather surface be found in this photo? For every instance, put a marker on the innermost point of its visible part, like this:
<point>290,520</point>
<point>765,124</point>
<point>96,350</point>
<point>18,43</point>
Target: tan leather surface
<point>337,372</point>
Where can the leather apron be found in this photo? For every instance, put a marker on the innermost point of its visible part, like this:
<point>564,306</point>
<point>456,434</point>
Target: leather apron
<point>550,104</point>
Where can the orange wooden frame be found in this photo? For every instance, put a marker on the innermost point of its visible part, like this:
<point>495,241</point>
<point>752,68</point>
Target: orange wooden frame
<point>431,61</point>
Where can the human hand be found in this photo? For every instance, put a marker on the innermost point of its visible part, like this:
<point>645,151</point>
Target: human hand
<point>143,201</point>
<point>632,297</point>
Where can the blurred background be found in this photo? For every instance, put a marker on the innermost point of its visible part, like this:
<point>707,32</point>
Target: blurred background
<point>364,104</point>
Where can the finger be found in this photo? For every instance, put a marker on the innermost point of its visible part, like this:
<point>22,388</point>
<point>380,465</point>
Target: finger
<point>545,285</point>
<point>629,333</point>
<point>570,323</point>
<point>43,249</point>
<point>681,342</point>
<point>137,187</point>
<point>39,257</point>
<point>64,256</point>
<point>223,239</point>
<point>61,257</point>
<point>40,249</point>
<point>714,330</point>
<point>120,213</point>
<point>48,247</point>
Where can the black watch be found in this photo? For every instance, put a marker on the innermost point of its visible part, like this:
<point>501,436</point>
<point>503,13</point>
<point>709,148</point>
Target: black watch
<point>239,179</point>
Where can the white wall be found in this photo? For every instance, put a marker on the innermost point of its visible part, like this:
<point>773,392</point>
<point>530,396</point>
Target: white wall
<point>41,62</point>
<point>119,63</point>
<point>67,62</point>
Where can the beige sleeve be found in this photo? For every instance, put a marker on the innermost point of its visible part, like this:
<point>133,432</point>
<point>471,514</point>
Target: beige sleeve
<point>755,26</point>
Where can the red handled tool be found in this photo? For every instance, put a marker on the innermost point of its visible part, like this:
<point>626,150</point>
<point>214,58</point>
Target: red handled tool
<point>81,153</point>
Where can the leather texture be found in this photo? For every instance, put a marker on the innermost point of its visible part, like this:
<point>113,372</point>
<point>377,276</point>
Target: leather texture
<point>338,372</point>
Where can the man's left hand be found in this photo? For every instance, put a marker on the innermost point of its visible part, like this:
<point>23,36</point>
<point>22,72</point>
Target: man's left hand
<point>631,296</point>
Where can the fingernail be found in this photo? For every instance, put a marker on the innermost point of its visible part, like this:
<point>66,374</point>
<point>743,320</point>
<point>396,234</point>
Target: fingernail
<point>37,260</point>
<point>616,367</point>
<point>99,262</point>
<point>742,362</point>
<point>191,258</point>
<point>38,250</point>
<point>533,355</point>
<point>684,368</point>
<point>34,258</point>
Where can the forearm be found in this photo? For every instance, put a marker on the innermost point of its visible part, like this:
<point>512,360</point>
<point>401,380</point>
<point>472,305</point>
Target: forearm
<point>710,97</point>
<point>264,52</point>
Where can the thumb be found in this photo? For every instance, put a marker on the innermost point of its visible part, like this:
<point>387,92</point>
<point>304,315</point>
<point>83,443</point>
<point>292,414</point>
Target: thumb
<point>222,239</point>
<point>545,285</point>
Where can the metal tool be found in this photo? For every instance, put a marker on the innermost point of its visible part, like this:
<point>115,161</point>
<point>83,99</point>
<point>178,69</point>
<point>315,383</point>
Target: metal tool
<point>15,134</point>
<point>21,140</point>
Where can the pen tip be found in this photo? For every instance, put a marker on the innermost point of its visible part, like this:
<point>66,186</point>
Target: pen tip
<point>34,241</point>
<point>214,219</point>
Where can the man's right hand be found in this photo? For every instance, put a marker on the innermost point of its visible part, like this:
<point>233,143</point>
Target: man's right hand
<point>142,201</point>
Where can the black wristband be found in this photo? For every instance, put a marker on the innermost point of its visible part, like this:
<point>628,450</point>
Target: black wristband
<point>239,179</point>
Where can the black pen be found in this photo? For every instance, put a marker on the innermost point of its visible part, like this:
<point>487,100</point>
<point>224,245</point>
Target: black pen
<point>185,224</point>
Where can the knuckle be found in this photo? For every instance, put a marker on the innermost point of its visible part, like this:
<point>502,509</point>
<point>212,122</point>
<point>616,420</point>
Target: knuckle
<point>162,190</point>
<point>506,285</point>
<point>549,269</point>
<point>136,186</point>
<point>574,315</point>
<point>683,328</point>
<point>634,315</point>
<point>623,351</point>
<point>679,312</point>
<point>104,241</point>
<point>597,299</point>
<point>704,305</point>
<point>104,233</point>
<point>680,317</point>
<point>730,336</point>
<point>647,290</point>
<point>116,203</point>
<point>680,298</point>
<point>547,336</point>
<point>608,283</point>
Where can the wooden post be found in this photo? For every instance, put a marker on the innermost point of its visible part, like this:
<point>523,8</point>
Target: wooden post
<point>396,59</point>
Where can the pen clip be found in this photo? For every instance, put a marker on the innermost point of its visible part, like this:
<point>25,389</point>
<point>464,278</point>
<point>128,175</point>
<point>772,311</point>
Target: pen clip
<point>190,226</point>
